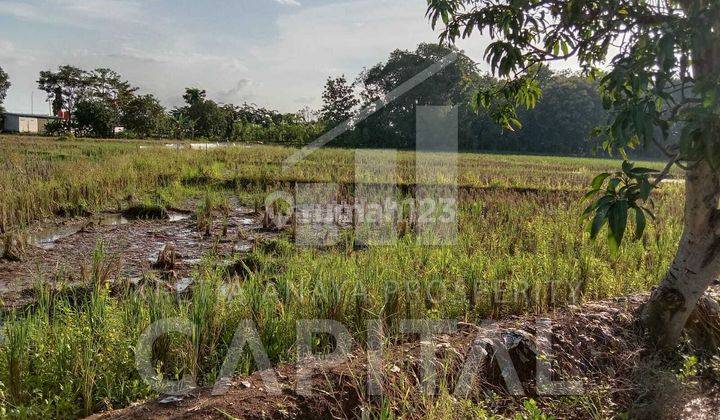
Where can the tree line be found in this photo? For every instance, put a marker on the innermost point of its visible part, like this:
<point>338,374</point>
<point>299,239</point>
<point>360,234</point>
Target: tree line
<point>97,101</point>
<point>562,122</point>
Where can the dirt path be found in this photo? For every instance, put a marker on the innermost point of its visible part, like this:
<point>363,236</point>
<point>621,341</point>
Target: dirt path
<point>597,343</point>
<point>67,247</point>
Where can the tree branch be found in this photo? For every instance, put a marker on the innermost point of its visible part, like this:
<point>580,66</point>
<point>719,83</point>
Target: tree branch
<point>666,170</point>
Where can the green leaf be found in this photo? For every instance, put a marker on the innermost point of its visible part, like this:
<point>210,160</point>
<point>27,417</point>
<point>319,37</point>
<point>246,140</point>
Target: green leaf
<point>709,100</point>
<point>627,167</point>
<point>599,220</point>
<point>617,222</point>
<point>622,151</point>
<point>589,209</point>
<point>613,243</point>
<point>613,184</point>
<point>598,181</point>
<point>590,194</point>
<point>645,189</point>
<point>640,222</point>
<point>604,200</point>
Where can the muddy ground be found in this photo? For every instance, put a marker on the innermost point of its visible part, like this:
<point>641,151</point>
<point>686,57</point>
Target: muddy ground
<point>64,248</point>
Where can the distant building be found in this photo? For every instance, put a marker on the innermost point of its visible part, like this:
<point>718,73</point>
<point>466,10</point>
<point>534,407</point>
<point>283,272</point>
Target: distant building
<point>26,123</point>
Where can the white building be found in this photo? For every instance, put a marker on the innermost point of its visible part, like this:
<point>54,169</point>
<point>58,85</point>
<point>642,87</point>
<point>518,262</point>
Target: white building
<point>25,123</point>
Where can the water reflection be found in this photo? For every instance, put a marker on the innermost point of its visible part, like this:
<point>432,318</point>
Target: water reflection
<point>46,238</point>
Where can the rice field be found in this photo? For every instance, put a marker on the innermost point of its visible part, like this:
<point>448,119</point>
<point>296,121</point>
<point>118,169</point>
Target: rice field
<point>521,248</point>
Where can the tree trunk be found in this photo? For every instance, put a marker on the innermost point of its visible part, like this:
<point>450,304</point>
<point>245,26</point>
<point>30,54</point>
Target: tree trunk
<point>696,263</point>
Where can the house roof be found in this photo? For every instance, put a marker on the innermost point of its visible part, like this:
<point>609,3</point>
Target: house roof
<point>18,114</point>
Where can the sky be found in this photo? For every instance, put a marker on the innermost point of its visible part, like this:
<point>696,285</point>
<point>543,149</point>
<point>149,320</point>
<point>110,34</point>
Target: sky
<point>275,53</point>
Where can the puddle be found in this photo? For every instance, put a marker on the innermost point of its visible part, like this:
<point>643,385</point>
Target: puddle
<point>205,146</point>
<point>46,238</point>
<point>200,146</point>
<point>178,217</point>
<point>246,221</point>
<point>242,247</point>
<point>136,244</point>
<point>226,290</point>
<point>113,219</point>
<point>182,285</point>
<point>170,400</point>
<point>152,259</point>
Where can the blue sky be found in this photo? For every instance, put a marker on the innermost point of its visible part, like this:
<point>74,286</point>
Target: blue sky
<point>275,53</point>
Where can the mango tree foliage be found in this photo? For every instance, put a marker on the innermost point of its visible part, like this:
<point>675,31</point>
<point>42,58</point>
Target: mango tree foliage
<point>658,66</point>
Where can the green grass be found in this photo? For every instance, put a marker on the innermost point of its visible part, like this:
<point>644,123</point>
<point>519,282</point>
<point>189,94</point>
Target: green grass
<point>518,251</point>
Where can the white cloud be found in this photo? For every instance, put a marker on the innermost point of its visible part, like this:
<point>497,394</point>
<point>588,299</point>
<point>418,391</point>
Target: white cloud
<point>288,2</point>
<point>241,92</point>
<point>11,55</point>
<point>77,13</point>
<point>113,10</point>
<point>166,72</point>
<point>316,42</point>
<point>287,67</point>
<point>22,11</point>
<point>7,49</point>
<point>284,68</point>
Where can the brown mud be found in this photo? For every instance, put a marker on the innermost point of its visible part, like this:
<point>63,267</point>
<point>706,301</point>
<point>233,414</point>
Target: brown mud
<point>64,249</point>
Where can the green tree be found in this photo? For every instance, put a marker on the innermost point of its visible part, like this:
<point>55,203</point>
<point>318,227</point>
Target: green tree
<point>65,88</point>
<point>94,118</point>
<point>207,118</point>
<point>563,120</point>
<point>194,96</point>
<point>99,90</point>
<point>142,115</point>
<point>176,125</point>
<point>394,125</point>
<point>4,86</point>
<point>253,114</point>
<point>339,101</point>
<point>665,70</point>
<point>108,86</point>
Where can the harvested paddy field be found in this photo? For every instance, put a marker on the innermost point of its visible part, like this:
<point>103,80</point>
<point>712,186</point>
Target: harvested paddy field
<point>113,236</point>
